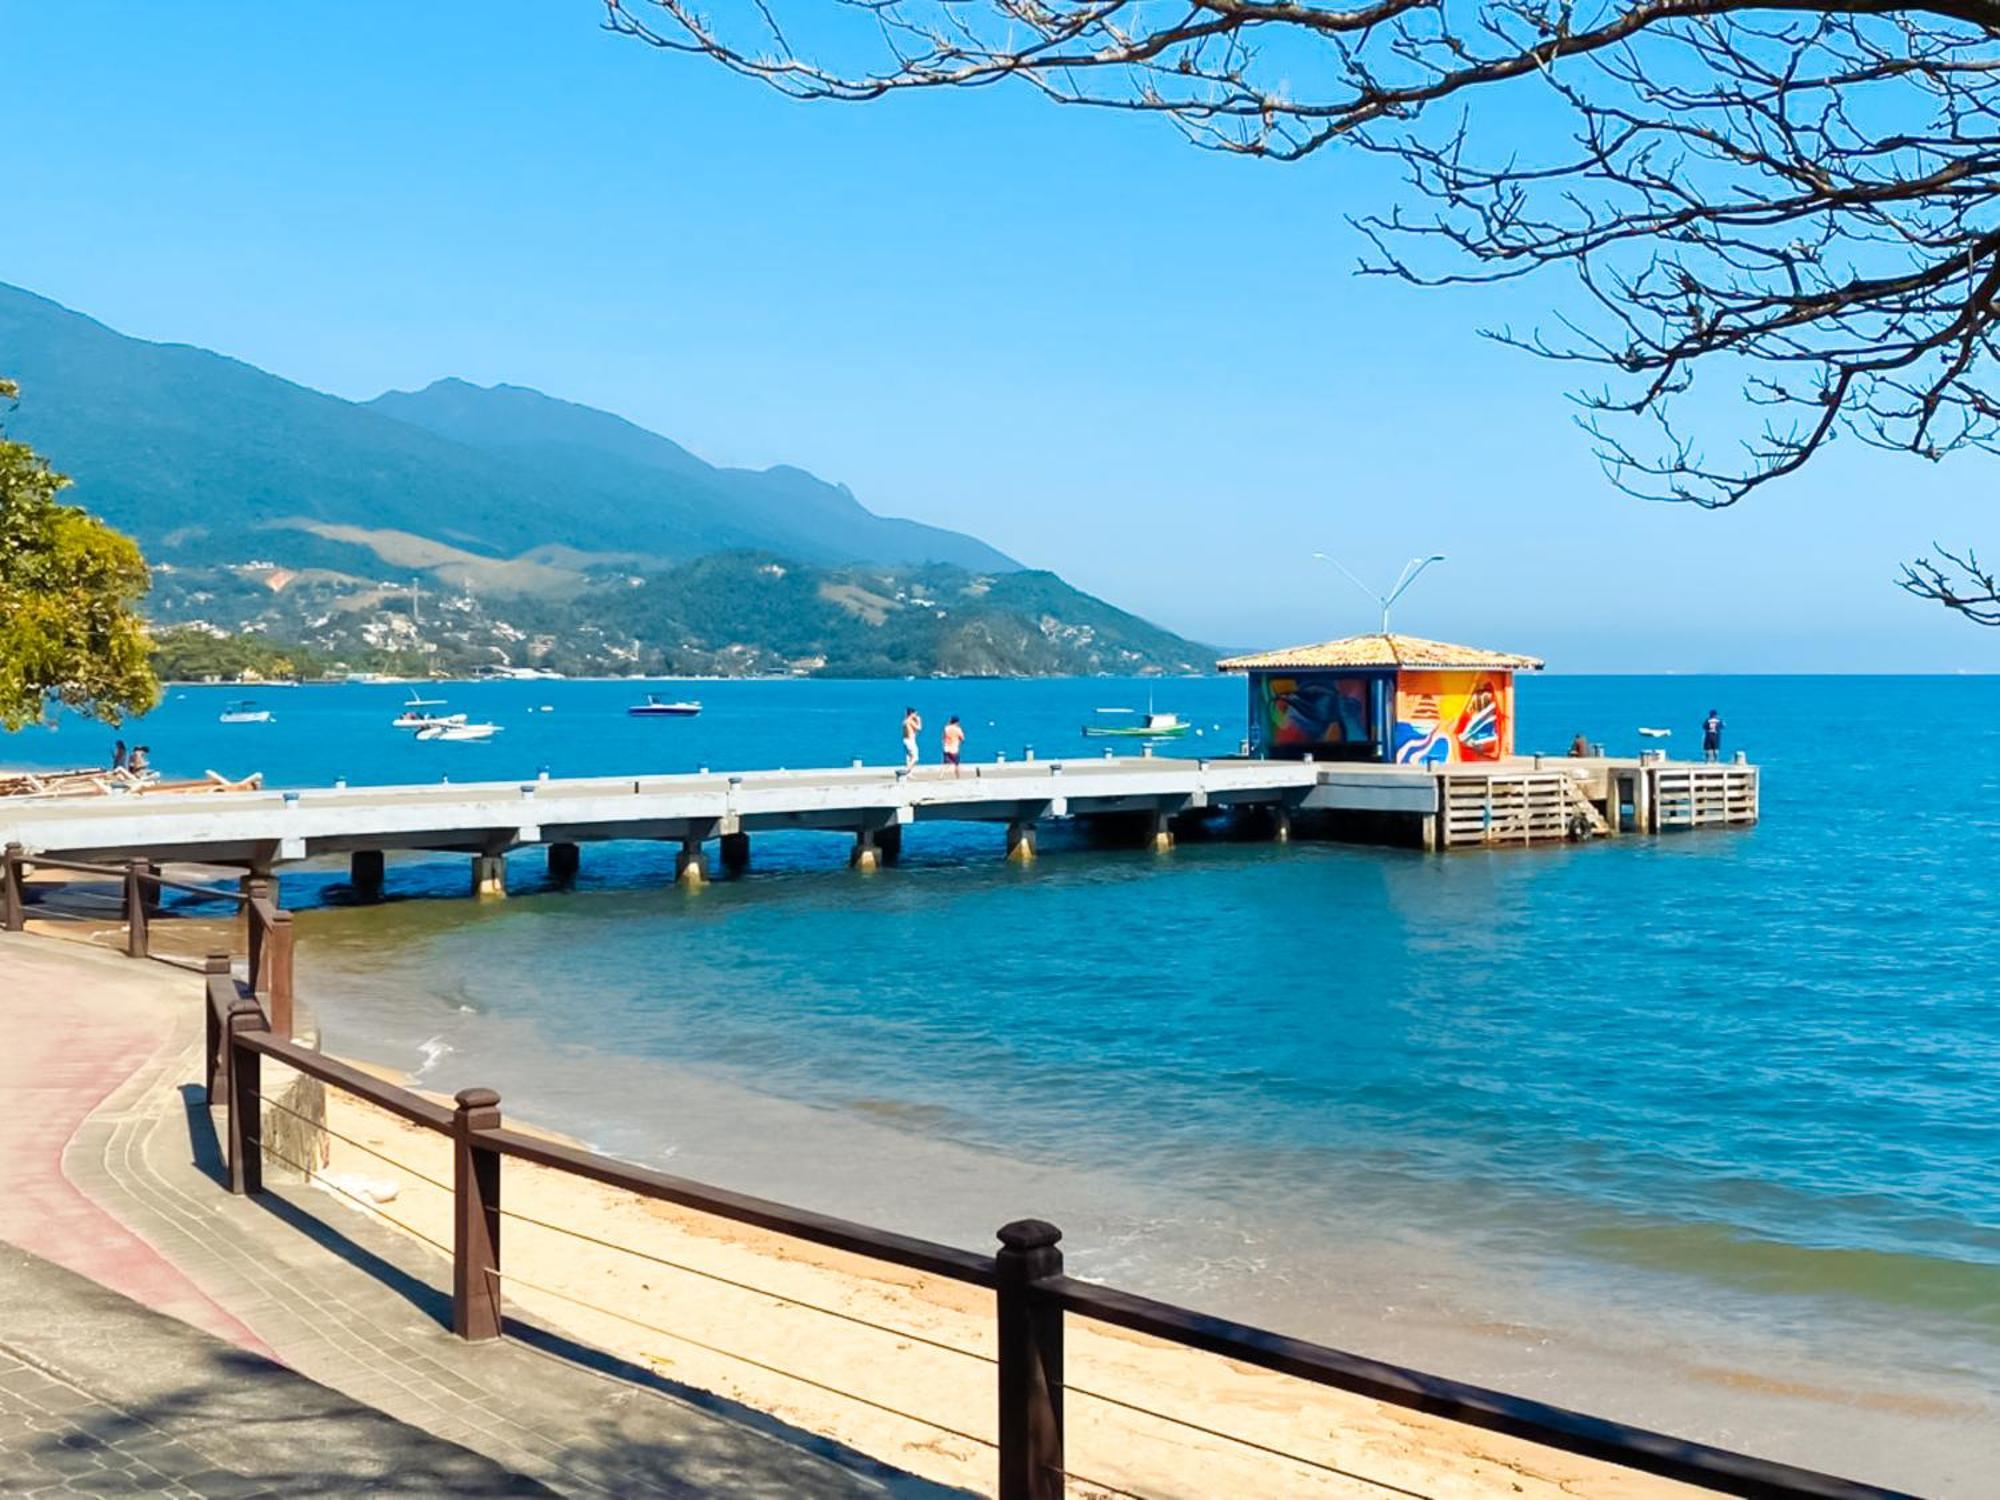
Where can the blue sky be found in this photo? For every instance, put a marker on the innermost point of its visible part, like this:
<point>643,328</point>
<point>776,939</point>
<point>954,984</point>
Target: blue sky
<point>1150,369</point>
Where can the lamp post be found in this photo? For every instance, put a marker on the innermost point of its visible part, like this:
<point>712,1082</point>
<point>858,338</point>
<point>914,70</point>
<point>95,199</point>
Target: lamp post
<point>1412,570</point>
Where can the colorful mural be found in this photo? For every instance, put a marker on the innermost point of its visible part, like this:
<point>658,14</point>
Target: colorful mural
<point>1314,709</point>
<point>1446,717</point>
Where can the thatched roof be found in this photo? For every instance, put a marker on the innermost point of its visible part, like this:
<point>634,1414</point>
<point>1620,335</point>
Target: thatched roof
<point>1378,652</point>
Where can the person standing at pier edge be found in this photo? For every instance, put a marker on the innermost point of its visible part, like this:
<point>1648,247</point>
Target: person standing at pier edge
<point>912,726</point>
<point>954,739</point>
<point>1711,736</point>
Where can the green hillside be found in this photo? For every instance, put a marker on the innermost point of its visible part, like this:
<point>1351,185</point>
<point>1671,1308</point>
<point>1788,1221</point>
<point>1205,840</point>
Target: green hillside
<point>458,527</point>
<point>188,450</point>
<point>750,612</point>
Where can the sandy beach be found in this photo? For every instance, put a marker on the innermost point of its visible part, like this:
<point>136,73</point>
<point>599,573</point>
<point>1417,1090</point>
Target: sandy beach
<point>898,1364</point>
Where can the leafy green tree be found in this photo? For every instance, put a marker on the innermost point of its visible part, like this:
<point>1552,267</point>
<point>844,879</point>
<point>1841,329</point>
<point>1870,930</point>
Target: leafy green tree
<point>186,654</point>
<point>69,632</point>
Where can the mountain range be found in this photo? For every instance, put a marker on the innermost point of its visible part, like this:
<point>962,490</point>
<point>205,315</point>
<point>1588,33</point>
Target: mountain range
<point>560,532</point>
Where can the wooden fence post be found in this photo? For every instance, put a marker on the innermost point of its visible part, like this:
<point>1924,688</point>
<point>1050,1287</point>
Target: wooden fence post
<point>215,964</point>
<point>1030,1363</point>
<point>11,901</point>
<point>255,887</point>
<point>136,943</point>
<point>246,1099</point>
<point>278,956</point>
<point>475,1240</point>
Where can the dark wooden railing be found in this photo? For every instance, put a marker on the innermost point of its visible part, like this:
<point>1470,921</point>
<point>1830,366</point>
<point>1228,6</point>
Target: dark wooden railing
<point>1032,1296</point>
<point>267,926</point>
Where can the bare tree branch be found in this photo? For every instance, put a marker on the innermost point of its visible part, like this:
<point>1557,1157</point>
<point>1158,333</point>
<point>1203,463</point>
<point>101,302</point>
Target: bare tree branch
<point>1957,581</point>
<point>1800,196</point>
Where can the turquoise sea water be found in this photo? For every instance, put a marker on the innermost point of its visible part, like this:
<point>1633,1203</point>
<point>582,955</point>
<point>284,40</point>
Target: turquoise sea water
<point>1739,1087</point>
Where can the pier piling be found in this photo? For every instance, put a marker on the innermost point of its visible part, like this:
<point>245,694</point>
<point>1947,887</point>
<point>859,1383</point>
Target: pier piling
<point>866,857</point>
<point>1021,841</point>
<point>736,852</point>
<point>564,861</point>
<point>489,875</point>
<point>365,871</point>
<point>690,867</point>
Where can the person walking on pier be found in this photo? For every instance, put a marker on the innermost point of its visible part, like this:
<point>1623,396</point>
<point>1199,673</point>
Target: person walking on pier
<point>954,739</point>
<point>912,726</point>
<point>1711,736</point>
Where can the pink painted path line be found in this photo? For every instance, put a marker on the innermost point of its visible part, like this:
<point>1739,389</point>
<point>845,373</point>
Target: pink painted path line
<point>78,1022</point>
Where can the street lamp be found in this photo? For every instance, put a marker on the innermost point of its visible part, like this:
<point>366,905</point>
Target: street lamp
<point>1412,570</point>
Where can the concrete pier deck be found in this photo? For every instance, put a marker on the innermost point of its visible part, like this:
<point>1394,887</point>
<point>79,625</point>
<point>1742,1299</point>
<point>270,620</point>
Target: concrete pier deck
<point>1431,806</point>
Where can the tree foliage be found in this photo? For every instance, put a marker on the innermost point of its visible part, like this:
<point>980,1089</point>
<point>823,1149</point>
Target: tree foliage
<point>1795,196</point>
<point>69,632</point>
<point>187,654</point>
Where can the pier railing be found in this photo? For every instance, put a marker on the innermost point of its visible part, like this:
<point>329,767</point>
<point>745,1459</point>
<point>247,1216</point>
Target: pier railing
<point>267,928</point>
<point>1032,1296</point>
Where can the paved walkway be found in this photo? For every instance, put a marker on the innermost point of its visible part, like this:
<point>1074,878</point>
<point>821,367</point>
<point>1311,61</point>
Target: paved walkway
<point>100,1396</point>
<point>364,1311</point>
<point>78,1021</point>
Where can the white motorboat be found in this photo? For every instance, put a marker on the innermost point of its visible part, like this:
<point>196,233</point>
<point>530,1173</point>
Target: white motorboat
<point>243,711</point>
<point>653,708</point>
<point>456,728</point>
<point>417,713</point>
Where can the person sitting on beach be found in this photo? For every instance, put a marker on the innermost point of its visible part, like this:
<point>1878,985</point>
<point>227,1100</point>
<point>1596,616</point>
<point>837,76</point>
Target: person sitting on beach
<point>138,765</point>
<point>1579,747</point>
<point>954,737</point>
<point>1711,736</point>
<point>118,756</point>
<point>912,725</point>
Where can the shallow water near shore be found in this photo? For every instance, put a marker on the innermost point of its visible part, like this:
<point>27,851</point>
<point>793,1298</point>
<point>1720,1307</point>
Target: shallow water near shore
<point>1699,1131</point>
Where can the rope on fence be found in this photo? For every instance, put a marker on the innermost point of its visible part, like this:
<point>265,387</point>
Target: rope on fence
<point>355,1198</point>
<point>785,1297</point>
<point>1230,1437</point>
<point>682,1338</point>
<point>326,1129</point>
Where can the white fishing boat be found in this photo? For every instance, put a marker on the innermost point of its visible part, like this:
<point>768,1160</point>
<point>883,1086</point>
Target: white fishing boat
<point>244,711</point>
<point>1654,734</point>
<point>456,728</point>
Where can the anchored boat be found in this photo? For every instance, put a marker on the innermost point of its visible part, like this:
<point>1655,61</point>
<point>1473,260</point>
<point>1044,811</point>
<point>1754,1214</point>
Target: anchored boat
<point>1153,726</point>
<point>456,728</point>
<point>244,711</point>
<point>416,713</point>
<point>653,708</point>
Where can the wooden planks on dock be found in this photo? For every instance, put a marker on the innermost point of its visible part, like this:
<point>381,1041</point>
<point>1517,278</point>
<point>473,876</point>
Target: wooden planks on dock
<point>1504,807</point>
<point>1550,804</point>
<point>1701,796</point>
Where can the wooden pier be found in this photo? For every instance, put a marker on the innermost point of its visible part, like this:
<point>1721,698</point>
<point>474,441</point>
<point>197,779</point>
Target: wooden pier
<point>1521,800</point>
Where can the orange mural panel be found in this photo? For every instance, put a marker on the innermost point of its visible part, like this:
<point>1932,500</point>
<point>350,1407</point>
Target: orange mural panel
<point>1443,718</point>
